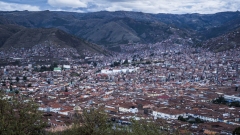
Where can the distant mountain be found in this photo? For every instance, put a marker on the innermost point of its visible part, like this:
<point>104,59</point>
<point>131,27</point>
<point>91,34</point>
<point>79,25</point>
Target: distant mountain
<point>20,37</point>
<point>120,27</point>
<point>230,25</point>
<point>199,22</point>
<point>125,30</point>
<point>227,41</point>
<point>104,28</point>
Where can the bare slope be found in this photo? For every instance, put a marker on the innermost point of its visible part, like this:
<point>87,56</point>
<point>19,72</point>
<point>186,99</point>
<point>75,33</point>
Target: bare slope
<point>28,37</point>
<point>227,41</point>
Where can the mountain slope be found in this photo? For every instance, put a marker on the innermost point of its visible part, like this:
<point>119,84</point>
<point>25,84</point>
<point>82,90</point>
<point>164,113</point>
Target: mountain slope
<point>6,31</point>
<point>229,26</point>
<point>125,30</point>
<point>27,38</point>
<point>224,42</point>
<point>196,21</point>
<point>113,28</point>
<point>105,28</point>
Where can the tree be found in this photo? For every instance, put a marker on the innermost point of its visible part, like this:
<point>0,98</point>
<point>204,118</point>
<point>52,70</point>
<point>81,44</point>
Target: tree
<point>17,79</point>
<point>181,118</point>
<point>48,82</point>
<point>219,100</point>
<point>3,84</point>
<point>95,64</point>
<point>20,118</point>
<point>24,78</point>
<point>198,120</point>
<point>97,122</point>
<point>236,131</point>
<point>11,88</point>
<point>148,62</point>
<point>140,106</point>
<point>126,62</point>
<point>93,122</point>
<point>55,64</point>
<point>16,92</point>
<point>66,89</point>
<point>29,85</point>
<point>115,64</point>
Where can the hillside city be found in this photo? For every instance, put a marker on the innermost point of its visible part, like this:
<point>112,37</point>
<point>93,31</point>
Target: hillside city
<point>188,88</point>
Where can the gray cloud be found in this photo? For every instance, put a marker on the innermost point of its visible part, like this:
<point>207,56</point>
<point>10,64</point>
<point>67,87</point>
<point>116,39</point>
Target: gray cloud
<point>68,3</point>
<point>15,6</point>
<point>149,6</point>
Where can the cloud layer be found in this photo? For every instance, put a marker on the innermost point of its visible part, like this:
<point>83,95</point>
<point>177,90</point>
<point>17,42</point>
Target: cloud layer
<point>15,6</point>
<point>149,6</point>
<point>68,3</point>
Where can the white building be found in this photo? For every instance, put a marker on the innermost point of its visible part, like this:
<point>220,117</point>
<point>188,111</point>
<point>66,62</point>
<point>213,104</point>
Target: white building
<point>166,113</point>
<point>116,71</point>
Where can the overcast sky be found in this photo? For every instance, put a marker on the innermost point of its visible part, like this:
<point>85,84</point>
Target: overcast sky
<point>147,6</point>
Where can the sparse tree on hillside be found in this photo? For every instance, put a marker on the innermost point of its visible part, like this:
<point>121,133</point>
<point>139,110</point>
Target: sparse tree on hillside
<point>236,131</point>
<point>96,122</point>
<point>20,118</point>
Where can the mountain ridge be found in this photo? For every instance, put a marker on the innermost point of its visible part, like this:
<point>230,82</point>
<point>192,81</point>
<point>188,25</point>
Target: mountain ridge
<point>122,27</point>
<point>98,27</point>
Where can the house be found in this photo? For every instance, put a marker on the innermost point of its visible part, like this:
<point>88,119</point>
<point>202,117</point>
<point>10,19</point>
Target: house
<point>44,108</point>
<point>167,113</point>
<point>65,112</point>
<point>66,67</point>
<point>55,107</point>
<point>233,98</point>
<point>128,108</point>
<point>57,69</point>
<point>204,114</point>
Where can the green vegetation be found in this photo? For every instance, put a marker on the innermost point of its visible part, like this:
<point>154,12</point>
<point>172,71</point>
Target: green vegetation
<point>115,64</point>
<point>74,74</point>
<point>126,62</point>
<point>24,78</point>
<point>44,68</point>
<point>16,91</point>
<point>29,85</point>
<point>96,122</point>
<point>11,89</point>
<point>148,62</point>
<point>236,131</point>
<point>17,79</point>
<point>222,100</point>
<point>20,118</point>
<point>190,120</point>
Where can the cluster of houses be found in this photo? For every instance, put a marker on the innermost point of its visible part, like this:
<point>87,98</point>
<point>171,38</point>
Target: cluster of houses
<point>44,54</point>
<point>156,83</point>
